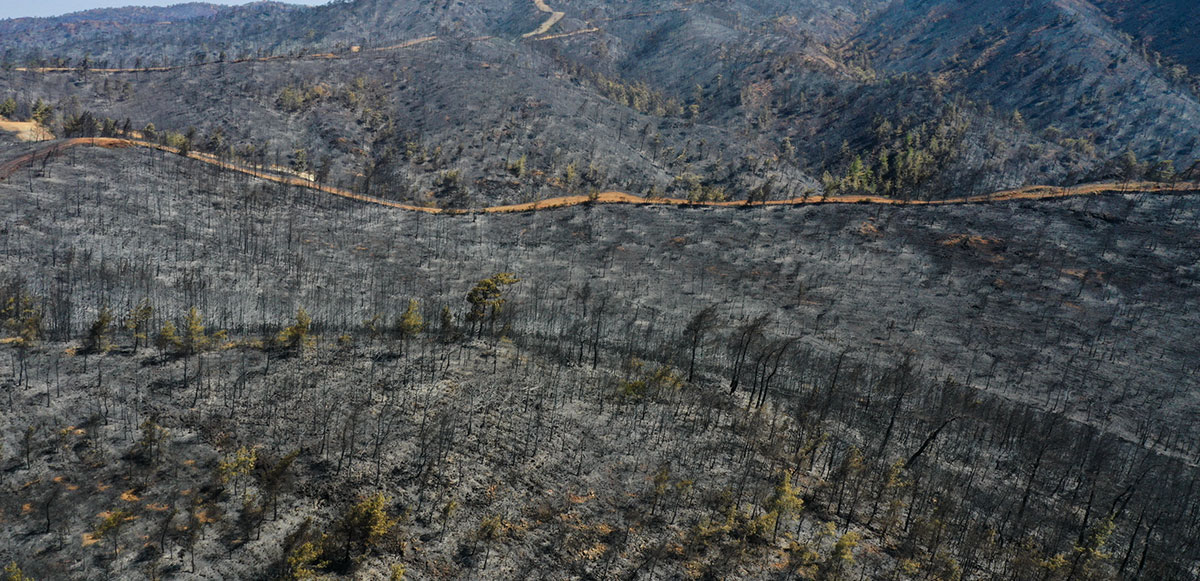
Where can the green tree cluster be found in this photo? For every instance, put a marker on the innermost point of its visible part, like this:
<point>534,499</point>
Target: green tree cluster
<point>693,187</point>
<point>410,324</point>
<point>637,96</point>
<point>294,99</point>
<point>21,314</point>
<point>363,526</point>
<point>99,335</point>
<point>298,336</point>
<point>13,573</point>
<point>137,322</point>
<point>785,501</point>
<point>193,339</point>
<point>904,156</point>
<point>233,469</point>
<point>517,167</point>
<point>487,299</point>
<point>42,112</point>
<point>663,377</point>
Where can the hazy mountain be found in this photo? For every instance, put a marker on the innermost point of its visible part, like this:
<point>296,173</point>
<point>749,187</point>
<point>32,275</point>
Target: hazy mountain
<point>124,15</point>
<point>94,25</point>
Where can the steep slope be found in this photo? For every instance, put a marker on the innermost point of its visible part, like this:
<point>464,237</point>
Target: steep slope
<point>911,99</point>
<point>260,28</point>
<point>1056,62</point>
<point>1166,26</point>
<point>58,37</point>
<point>395,122</point>
<point>1048,347</point>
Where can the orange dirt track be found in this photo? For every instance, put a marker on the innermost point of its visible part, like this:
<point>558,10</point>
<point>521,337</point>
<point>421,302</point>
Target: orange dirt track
<point>8,168</point>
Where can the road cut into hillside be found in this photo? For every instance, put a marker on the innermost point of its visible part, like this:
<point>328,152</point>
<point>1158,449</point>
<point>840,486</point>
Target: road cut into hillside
<point>52,149</point>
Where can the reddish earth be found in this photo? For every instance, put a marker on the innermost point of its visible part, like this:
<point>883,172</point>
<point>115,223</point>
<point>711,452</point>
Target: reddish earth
<point>25,130</point>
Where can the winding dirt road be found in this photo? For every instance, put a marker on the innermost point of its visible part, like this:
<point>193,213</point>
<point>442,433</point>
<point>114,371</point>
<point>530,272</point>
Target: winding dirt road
<point>51,150</point>
<point>568,34</point>
<point>549,23</point>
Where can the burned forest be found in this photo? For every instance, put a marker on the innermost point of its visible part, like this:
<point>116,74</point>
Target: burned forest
<point>593,290</point>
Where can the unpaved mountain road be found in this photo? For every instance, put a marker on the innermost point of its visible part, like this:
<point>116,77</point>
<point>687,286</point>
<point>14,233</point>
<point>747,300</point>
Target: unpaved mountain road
<point>549,23</point>
<point>52,149</point>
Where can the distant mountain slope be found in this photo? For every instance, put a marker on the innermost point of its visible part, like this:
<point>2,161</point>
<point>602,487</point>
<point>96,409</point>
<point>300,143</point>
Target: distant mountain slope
<point>1057,62</point>
<point>1167,26</point>
<point>119,36</point>
<point>125,15</point>
<point>744,98</point>
<point>91,27</point>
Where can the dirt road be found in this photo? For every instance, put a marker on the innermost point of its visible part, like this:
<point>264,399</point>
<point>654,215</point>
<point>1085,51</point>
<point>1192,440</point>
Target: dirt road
<point>549,23</point>
<point>52,149</point>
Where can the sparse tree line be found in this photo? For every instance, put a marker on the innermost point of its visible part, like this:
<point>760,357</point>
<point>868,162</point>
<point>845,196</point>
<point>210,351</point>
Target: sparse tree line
<point>22,317</point>
<point>907,158</point>
<point>637,96</point>
<point>37,110</point>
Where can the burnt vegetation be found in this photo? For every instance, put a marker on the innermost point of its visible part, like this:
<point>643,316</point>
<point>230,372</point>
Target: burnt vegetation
<point>437,103</point>
<point>650,403</point>
<point>205,374</point>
